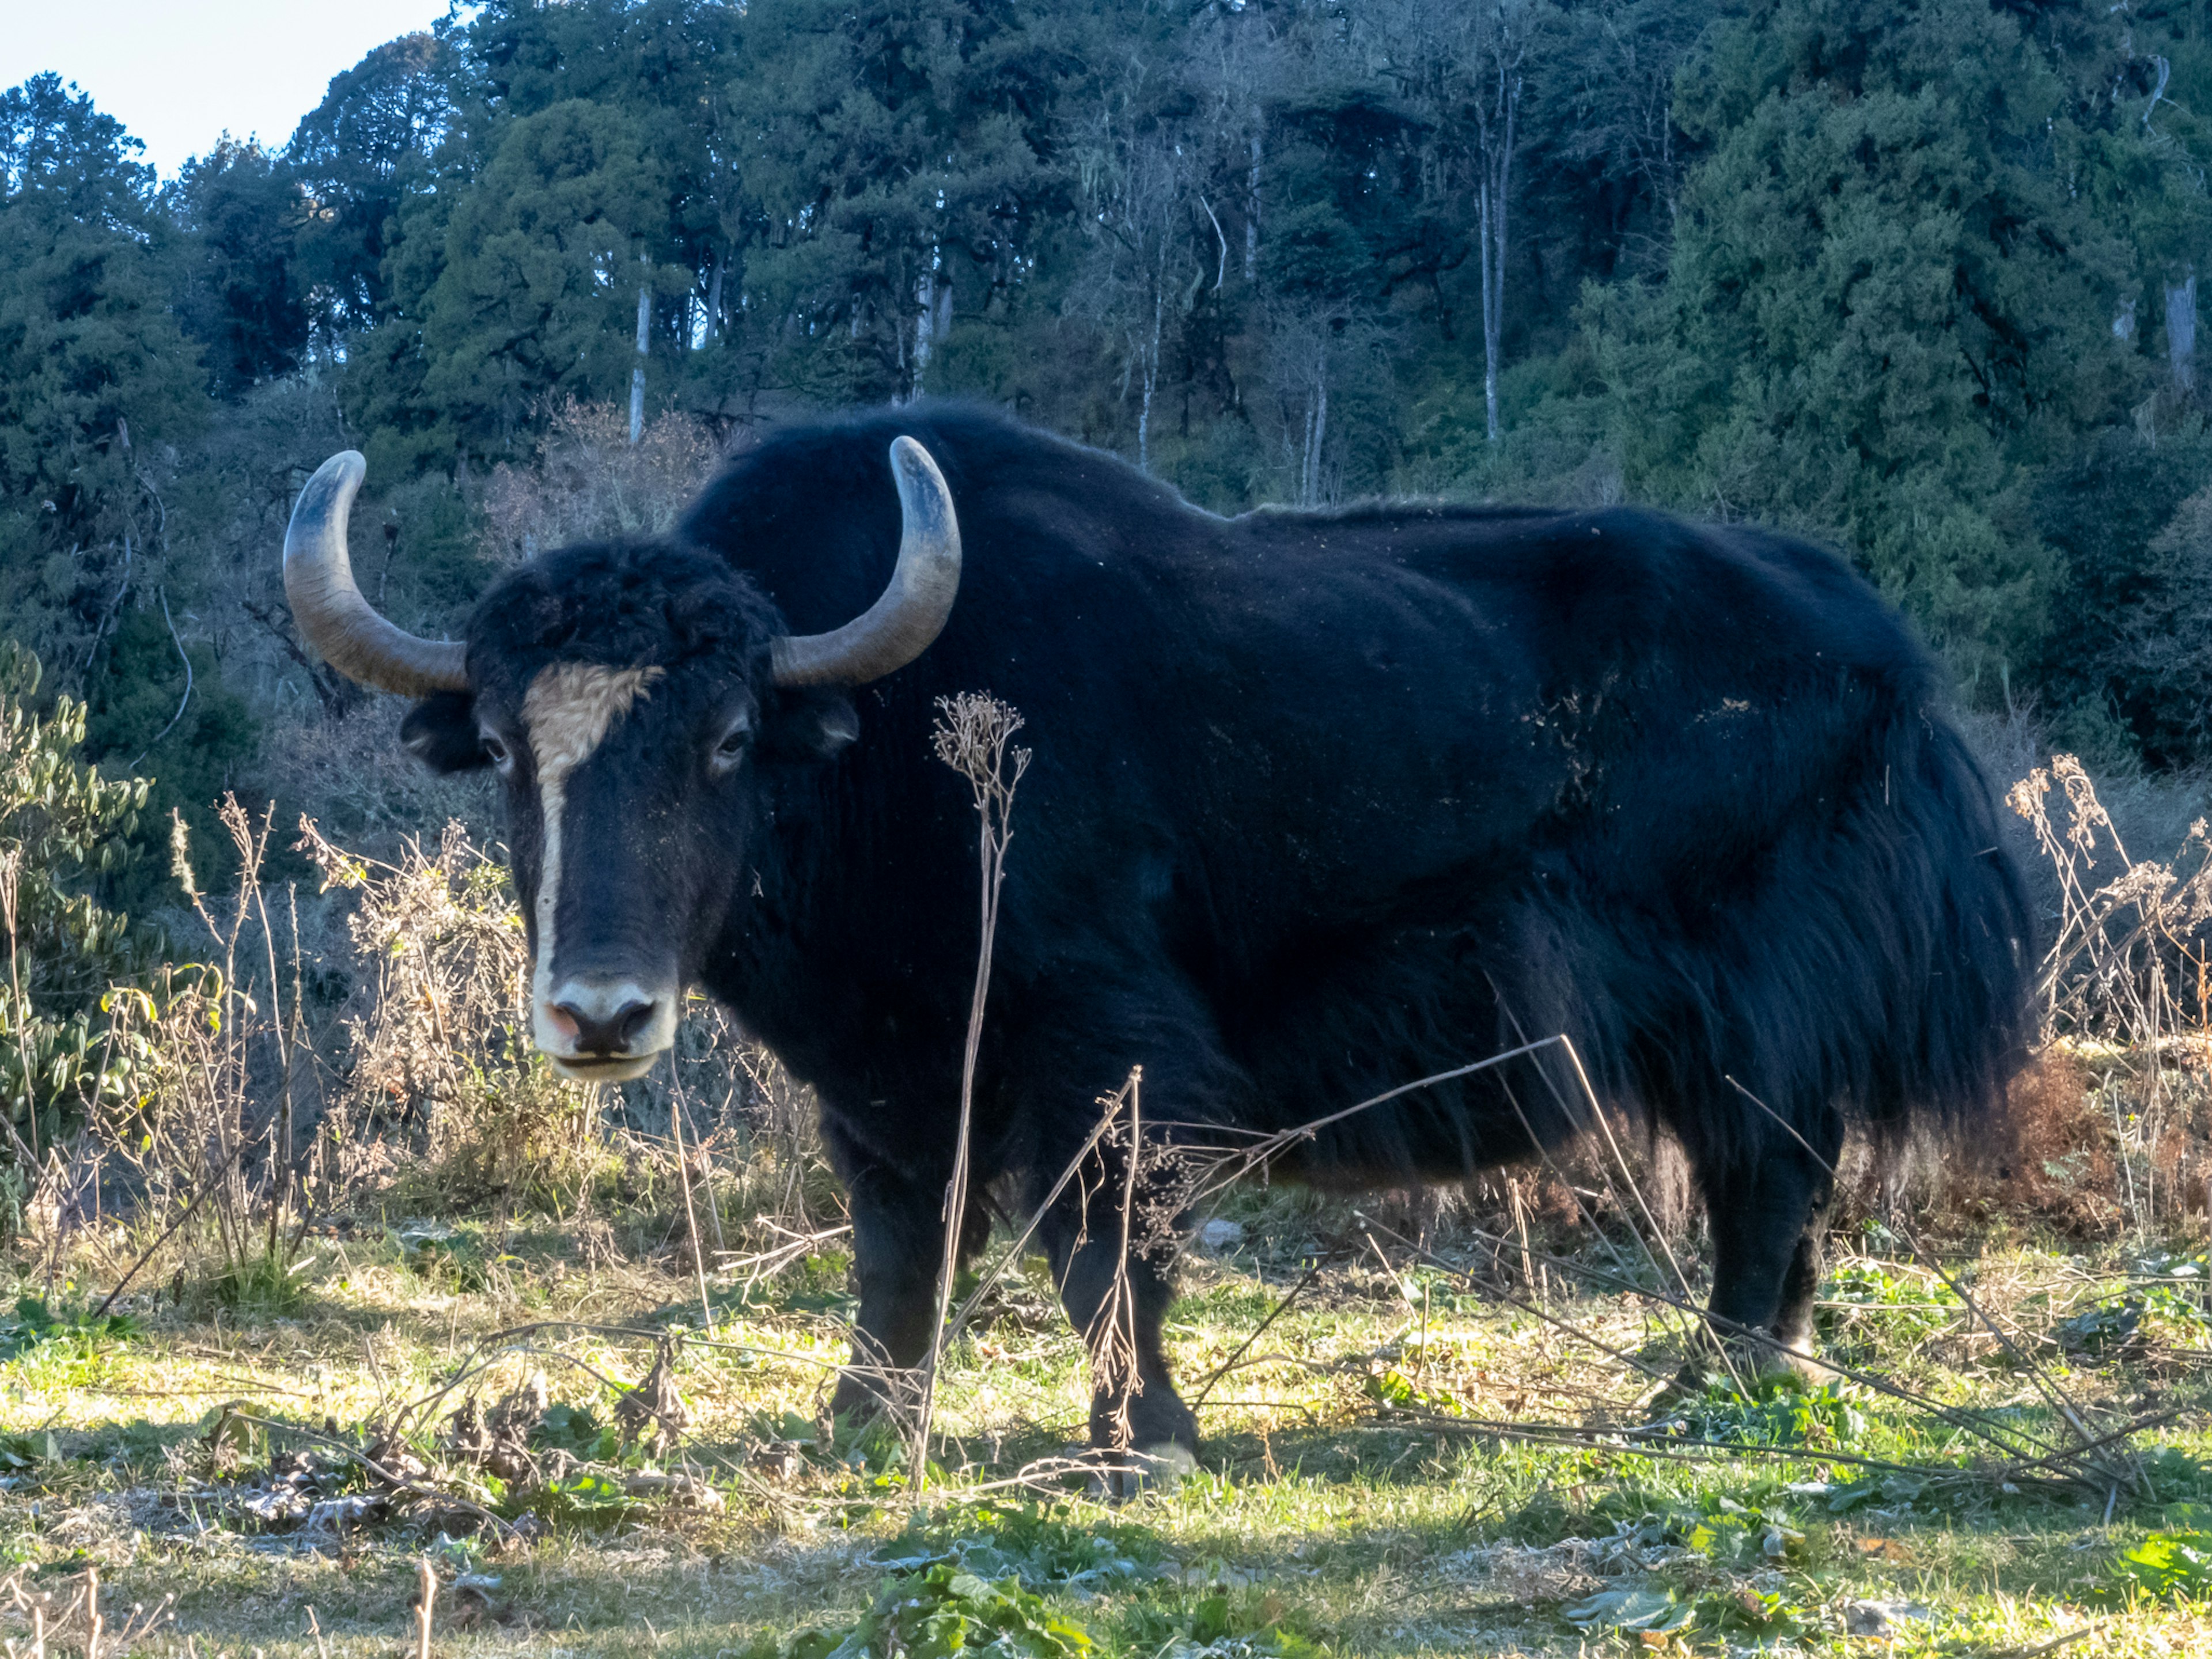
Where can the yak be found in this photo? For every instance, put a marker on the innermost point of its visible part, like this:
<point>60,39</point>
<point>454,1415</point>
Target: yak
<point>1321,803</point>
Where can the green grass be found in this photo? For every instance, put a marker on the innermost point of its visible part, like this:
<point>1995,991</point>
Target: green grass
<point>1359,1495</point>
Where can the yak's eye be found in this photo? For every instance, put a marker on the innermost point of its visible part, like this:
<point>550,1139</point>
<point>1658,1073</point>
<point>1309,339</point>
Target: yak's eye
<point>730,748</point>
<point>499,754</point>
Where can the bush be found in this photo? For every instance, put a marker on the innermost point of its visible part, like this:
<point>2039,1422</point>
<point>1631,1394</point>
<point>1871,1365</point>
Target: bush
<point>62,825</point>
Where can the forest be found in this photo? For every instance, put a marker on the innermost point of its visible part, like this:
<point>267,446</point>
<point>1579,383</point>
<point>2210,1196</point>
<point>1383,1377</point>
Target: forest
<point>1918,279</point>
<point>340,1318</point>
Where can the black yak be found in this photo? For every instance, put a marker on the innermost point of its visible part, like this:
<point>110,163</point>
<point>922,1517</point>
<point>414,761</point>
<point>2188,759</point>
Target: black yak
<point>1322,802</point>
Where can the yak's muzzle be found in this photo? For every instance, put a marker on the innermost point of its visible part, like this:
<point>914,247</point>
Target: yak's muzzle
<point>605,1030</point>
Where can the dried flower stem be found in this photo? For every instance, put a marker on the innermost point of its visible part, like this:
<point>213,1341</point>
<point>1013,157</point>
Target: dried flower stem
<point>971,737</point>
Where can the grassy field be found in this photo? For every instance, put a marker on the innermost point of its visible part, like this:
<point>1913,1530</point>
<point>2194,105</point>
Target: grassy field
<point>1405,1460</point>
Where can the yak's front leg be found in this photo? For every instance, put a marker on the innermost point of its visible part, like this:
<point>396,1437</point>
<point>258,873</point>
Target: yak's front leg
<point>1117,1299</point>
<point>898,1245</point>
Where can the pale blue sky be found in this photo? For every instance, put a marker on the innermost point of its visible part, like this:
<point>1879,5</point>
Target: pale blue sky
<point>180,73</point>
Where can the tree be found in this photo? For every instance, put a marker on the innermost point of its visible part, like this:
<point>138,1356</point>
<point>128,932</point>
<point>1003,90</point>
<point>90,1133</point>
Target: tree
<point>895,159</point>
<point>1882,296</point>
<point>238,294</point>
<point>666,65</point>
<point>534,294</point>
<point>1143,212</point>
<point>88,351</point>
<point>355,156</point>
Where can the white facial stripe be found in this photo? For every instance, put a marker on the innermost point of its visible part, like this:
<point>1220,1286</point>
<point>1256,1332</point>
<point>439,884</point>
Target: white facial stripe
<point>567,712</point>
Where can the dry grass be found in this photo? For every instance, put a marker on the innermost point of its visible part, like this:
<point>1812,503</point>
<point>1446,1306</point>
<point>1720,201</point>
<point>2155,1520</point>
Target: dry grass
<point>477,1331</point>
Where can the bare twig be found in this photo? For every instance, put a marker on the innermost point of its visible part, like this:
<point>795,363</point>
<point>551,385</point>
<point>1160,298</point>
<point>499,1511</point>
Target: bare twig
<point>972,736</point>
<point>426,1597</point>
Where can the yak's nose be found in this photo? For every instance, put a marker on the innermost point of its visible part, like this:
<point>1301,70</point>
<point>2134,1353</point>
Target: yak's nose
<point>603,1016</point>
<point>601,1025</point>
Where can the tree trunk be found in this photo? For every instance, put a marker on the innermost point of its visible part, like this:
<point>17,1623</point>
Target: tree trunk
<point>1152,381</point>
<point>1316,428</point>
<point>2181,334</point>
<point>1496,133</point>
<point>637,374</point>
<point>1252,209</point>
<point>714,295</point>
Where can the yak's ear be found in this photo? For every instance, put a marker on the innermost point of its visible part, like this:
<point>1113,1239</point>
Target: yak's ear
<point>810,725</point>
<point>442,730</point>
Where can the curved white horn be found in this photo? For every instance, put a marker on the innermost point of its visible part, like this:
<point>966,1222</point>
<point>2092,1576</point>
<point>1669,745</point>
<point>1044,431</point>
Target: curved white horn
<point>329,608</point>
<point>913,607</point>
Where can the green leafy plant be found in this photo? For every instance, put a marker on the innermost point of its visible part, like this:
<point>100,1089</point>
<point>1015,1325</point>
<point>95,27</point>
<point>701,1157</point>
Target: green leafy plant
<point>582,1433</point>
<point>1217,1626</point>
<point>2109,1329</point>
<point>1391,1386</point>
<point>1864,1295</point>
<point>1779,1409</point>
<point>1042,1545</point>
<point>1660,1611</point>
<point>2164,1565</point>
<point>583,1499</point>
<point>62,827</point>
<point>935,1615</point>
<point>1734,1535</point>
<point>35,1324</point>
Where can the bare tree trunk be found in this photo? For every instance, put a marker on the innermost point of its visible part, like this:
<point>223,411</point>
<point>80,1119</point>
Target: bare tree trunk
<point>1496,123</point>
<point>1252,209</point>
<point>2181,334</point>
<point>1316,428</point>
<point>924,322</point>
<point>714,295</point>
<point>1152,378</point>
<point>637,374</point>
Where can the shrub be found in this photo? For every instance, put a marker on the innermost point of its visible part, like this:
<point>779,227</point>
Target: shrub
<point>62,825</point>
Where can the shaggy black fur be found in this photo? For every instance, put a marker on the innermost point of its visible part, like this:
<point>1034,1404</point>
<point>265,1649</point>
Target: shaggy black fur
<point>1322,802</point>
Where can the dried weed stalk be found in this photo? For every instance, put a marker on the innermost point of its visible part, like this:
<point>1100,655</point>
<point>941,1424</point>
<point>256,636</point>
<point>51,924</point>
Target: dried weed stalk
<point>973,736</point>
<point>2128,975</point>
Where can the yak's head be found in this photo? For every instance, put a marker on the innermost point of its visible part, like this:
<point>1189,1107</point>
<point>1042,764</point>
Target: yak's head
<point>631,698</point>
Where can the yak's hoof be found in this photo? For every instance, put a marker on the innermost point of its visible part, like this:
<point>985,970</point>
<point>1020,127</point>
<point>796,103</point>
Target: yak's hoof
<point>1735,1362</point>
<point>1157,1469</point>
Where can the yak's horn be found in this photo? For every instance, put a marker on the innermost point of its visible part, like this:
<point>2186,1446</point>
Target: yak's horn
<point>330,610</point>
<point>911,611</point>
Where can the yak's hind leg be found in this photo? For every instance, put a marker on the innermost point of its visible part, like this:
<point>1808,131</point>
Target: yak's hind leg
<point>1767,1208</point>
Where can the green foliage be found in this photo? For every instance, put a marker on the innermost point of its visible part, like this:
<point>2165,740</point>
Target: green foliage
<point>62,826</point>
<point>90,356</point>
<point>1394,1387</point>
<point>1780,1408</point>
<point>1872,1301</point>
<point>240,210</point>
<point>541,271</point>
<point>2166,1564</point>
<point>265,1282</point>
<point>1660,1611</point>
<point>885,135</point>
<point>585,1500</point>
<point>1735,1536</point>
<point>1894,276</point>
<point>355,156</point>
<point>20,1453</point>
<point>1217,1626</point>
<point>936,1613</point>
<point>35,1325</point>
<point>1884,288</point>
<point>196,745</point>
<point>1043,1546</point>
<point>578,1430</point>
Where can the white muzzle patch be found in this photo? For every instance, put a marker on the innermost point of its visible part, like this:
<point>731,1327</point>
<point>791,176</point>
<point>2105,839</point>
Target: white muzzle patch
<point>567,712</point>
